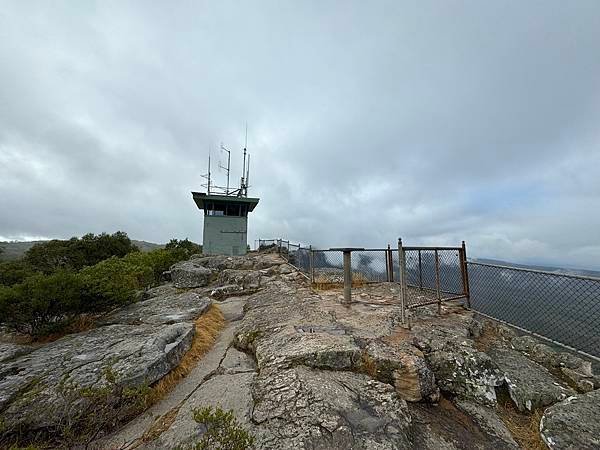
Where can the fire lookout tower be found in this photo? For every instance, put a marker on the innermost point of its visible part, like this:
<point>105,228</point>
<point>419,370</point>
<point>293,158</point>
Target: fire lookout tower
<point>226,212</point>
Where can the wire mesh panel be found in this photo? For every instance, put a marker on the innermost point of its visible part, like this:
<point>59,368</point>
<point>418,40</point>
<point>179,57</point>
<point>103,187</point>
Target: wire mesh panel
<point>563,308</point>
<point>369,266</point>
<point>432,275</point>
<point>328,267</point>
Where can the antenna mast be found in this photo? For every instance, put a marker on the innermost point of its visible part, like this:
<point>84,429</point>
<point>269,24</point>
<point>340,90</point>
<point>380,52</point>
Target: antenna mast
<point>227,169</point>
<point>207,176</point>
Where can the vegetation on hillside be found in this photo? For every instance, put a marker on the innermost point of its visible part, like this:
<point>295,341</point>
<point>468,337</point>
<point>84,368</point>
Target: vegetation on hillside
<point>58,282</point>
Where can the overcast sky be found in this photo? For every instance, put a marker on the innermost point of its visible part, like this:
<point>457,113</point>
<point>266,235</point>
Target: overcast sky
<point>434,121</point>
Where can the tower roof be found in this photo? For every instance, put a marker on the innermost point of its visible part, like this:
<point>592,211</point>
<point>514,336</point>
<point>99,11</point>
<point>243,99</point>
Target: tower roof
<point>201,197</point>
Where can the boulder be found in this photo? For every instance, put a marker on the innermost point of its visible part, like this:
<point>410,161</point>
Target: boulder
<point>530,385</point>
<point>573,369</point>
<point>190,274</point>
<point>403,366</point>
<point>573,423</point>
<point>465,372</point>
<point>302,408</point>
<point>245,279</point>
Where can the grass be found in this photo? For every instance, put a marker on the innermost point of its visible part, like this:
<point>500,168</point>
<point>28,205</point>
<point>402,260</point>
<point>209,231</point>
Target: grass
<point>324,282</point>
<point>208,327</point>
<point>525,428</point>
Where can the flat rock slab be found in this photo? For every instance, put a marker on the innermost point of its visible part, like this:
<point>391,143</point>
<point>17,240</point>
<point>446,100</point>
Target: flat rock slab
<point>173,308</point>
<point>302,408</point>
<point>320,350</point>
<point>10,351</point>
<point>227,391</point>
<point>32,386</point>
<point>489,423</point>
<point>530,385</point>
<point>573,423</point>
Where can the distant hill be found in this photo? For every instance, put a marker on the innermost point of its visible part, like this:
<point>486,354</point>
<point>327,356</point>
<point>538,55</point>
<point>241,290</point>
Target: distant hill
<point>16,250</point>
<point>570,271</point>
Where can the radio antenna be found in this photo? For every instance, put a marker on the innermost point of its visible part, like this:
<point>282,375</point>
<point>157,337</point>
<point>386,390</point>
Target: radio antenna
<point>207,176</point>
<point>227,169</point>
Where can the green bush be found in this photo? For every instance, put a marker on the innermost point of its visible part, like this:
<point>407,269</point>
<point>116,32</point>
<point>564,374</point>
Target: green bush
<point>41,304</point>
<point>223,431</point>
<point>77,253</point>
<point>113,282</point>
<point>14,272</point>
<point>187,245</point>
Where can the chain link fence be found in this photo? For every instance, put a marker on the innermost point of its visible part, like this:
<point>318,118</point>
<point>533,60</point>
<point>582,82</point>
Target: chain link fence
<point>559,307</point>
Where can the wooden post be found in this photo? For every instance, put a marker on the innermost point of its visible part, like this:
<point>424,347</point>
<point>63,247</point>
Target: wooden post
<point>347,277</point>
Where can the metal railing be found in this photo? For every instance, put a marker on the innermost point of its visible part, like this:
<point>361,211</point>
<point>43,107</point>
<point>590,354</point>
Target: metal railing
<point>561,308</point>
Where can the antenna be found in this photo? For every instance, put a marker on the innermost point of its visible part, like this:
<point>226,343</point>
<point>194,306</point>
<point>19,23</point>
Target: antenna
<point>227,169</point>
<point>207,176</point>
<point>248,175</point>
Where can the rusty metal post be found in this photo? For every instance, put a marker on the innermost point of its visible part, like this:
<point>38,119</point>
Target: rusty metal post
<point>391,264</point>
<point>437,282</point>
<point>466,275</point>
<point>387,264</point>
<point>311,263</point>
<point>402,280</point>
<point>347,277</point>
<point>420,272</point>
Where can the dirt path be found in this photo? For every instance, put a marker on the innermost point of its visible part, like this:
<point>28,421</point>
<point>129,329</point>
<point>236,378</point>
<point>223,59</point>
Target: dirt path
<point>146,430</point>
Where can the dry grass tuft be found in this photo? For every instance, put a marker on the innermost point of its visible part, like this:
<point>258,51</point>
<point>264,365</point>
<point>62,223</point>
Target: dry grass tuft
<point>208,327</point>
<point>368,365</point>
<point>525,428</point>
<point>327,282</point>
<point>162,424</point>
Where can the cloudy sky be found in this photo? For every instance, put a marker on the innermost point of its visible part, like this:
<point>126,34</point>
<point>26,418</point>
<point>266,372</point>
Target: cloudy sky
<point>435,121</point>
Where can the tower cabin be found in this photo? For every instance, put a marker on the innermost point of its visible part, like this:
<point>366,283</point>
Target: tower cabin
<point>225,222</point>
<point>226,212</point>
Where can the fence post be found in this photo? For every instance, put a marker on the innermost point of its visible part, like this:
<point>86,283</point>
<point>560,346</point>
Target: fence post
<point>402,280</point>
<point>465,272</point>
<point>347,277</point>
<point>437,282</point>
<point>311,264</point>
<point>391,263</point>
<point>387,264</point>
<point>420,272</point>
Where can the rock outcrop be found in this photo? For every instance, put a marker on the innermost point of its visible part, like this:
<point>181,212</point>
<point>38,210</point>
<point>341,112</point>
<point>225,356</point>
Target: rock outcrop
<point>299,370</point>
<point>573,423</point>
<point>134,347</point>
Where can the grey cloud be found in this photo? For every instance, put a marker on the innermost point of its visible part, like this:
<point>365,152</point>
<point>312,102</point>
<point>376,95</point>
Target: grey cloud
<point>434,121</point>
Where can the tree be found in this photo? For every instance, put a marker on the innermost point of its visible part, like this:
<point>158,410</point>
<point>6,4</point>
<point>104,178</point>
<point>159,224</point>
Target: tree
<point>187,245</point>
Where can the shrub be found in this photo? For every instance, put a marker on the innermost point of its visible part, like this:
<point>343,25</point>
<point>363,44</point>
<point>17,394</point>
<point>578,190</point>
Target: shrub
<point>187,245</point>
<point>77,253</point>
<point>41,304</point>
<point>14,272</point>
<point>113,282</point>
<point>223,431</point>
